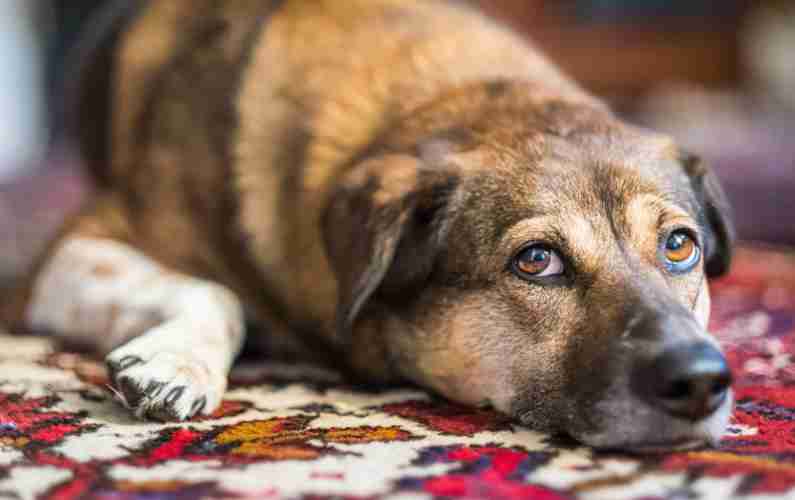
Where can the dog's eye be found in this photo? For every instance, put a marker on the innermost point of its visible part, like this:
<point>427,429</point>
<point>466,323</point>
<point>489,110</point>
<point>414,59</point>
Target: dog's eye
<point>538,261</point>
<point>681,252</point>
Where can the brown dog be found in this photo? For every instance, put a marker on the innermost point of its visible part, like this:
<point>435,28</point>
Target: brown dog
<point>400,185</point>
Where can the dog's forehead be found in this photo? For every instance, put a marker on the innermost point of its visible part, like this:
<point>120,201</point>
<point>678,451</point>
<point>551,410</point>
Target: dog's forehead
<point>543,173</point>
<point>621,159</point>
<point>609,180</point>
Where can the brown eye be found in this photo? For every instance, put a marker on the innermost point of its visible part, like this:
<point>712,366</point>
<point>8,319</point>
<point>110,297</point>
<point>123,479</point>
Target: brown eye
<point>538,261</point>
<point>681,252</point>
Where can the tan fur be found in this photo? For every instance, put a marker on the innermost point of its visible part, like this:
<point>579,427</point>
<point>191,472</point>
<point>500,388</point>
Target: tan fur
<point>352,95</point>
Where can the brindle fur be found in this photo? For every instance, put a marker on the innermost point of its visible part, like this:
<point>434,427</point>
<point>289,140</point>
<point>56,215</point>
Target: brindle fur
<point>361,172</point>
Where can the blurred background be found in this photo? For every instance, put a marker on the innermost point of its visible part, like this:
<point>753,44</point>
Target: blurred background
<point>717,74</point>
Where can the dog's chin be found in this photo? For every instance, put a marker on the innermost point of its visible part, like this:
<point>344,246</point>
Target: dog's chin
<point>633,427</point>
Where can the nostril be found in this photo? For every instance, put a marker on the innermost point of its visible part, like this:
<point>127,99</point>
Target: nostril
<point>676,390</point>
<point>688,381</point>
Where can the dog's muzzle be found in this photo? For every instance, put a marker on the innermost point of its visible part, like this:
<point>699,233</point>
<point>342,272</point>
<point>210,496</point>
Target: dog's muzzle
<point>687,377</point>
<point>667,387</point>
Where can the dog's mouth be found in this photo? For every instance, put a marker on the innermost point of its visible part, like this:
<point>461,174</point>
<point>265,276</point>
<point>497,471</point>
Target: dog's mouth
<point>646,431</point>
<point>656,448</point>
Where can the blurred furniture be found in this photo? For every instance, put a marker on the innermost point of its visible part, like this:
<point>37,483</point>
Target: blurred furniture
<point>623,47</point>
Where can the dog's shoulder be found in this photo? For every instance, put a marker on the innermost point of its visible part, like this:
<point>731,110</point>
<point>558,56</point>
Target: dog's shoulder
<point>86,110</point>
<point>135,53</point>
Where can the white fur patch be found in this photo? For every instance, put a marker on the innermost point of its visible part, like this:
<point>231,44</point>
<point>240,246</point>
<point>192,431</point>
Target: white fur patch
<point>703,305</point>
<point>173,338</point>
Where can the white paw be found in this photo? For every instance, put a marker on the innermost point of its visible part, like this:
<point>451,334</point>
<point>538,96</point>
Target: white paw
<point>164,385</point>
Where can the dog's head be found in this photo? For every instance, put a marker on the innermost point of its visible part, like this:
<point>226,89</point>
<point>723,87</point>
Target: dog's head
<point>513,249</point>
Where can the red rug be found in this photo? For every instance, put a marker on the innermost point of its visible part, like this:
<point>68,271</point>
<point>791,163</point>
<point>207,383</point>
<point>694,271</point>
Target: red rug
<point>296,432</point>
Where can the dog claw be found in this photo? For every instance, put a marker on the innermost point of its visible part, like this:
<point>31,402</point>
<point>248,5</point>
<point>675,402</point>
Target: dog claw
<point>127,362</point>
<point>198,406</point>
<point>154,388</point>
<point>174,395</point>
<point>129,389</point>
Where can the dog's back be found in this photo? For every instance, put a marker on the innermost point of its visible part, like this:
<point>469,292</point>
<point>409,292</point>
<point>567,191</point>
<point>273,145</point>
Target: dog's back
<point>242,114</point>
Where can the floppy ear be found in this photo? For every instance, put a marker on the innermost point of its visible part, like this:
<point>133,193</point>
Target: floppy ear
<point>383,228</point>
<point>720,241</point>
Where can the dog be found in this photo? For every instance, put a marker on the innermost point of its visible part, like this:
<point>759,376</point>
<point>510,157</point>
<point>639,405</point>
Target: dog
<point>403,188</point>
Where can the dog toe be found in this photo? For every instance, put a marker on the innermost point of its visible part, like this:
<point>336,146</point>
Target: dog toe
<point>169,408</point>
<point>116,366</point>
<point>130,391</point>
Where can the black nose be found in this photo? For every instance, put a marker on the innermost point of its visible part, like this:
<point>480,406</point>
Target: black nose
<point>689,381</point>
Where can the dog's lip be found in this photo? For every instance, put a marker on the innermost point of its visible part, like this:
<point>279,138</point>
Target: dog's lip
<point>652,447</point>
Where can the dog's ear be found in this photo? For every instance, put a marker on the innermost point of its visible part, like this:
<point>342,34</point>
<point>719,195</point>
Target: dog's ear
<point>383,228</point>
<point>717,215</point>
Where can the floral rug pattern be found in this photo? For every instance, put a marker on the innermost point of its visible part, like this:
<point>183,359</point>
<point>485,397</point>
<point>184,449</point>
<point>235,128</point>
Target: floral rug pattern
<point>298,432</point>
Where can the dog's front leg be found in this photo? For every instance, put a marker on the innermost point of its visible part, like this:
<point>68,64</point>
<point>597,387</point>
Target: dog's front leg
<point>172,338</point>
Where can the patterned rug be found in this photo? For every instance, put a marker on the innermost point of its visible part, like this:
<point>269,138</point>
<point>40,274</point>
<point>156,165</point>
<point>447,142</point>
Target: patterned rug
<point>297,432</point>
